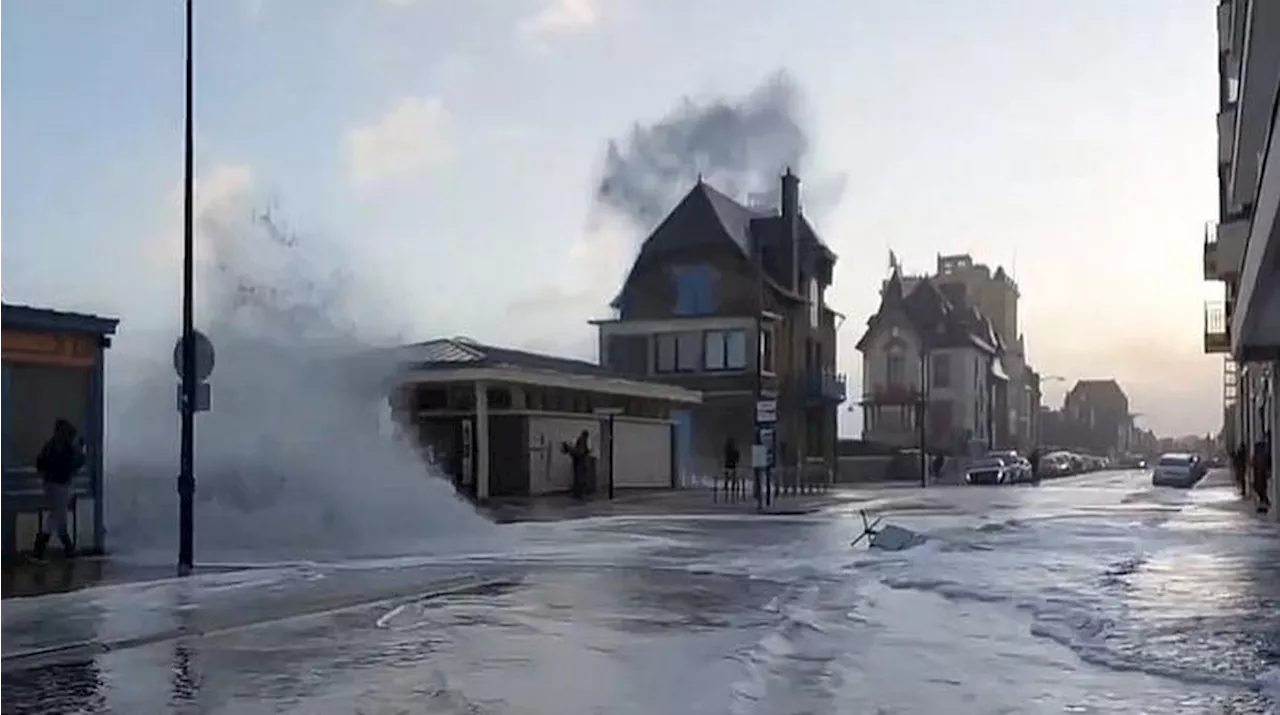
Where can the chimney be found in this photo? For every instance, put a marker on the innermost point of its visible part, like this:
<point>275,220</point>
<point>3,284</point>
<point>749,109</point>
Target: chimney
<point>791,223</point>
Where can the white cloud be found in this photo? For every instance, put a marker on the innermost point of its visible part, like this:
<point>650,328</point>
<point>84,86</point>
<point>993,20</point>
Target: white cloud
<point>562,17</point>
<point>415,134</point>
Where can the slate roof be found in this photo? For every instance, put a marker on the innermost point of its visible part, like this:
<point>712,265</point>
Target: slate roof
<point>1103,394</point>
<point>736,222</point>
<point>33,318</point>
<point>937,313</point>
<point>451,353</point>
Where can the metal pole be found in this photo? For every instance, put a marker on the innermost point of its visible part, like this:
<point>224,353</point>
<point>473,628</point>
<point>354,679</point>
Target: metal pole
<point>613,449</point>
<point>186,474</point>
<point>758,484</point>
<point>920,417</point>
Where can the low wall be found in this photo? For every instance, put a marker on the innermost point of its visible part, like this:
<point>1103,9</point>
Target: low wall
<point>868,469</point>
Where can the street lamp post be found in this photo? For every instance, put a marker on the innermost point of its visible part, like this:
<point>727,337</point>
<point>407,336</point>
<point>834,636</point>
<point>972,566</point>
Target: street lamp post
<point>921,415</point>
<point>186,469</point>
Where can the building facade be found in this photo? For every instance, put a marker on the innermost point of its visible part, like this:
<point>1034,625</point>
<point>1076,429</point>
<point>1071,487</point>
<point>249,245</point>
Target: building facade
<point>1241,247</point>
<point>1099,409</point>
<point>495,419</point>
<point>995,294</point>
<point>931,371</point>
<point>730,301</point>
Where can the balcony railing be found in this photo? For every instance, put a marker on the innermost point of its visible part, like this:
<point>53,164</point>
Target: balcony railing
<point>1217,338</point>
<point>826,386</point>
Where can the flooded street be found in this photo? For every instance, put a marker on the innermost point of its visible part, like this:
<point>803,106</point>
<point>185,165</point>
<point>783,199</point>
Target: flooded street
<point>1089,595</point>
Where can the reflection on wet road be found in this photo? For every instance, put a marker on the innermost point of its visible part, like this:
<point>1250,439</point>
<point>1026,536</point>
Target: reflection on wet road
<point>1094,595</point>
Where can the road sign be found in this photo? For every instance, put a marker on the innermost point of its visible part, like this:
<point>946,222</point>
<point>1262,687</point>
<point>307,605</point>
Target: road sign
<point>204,356</point>
<point>202,397</point>
<point>766,411</point>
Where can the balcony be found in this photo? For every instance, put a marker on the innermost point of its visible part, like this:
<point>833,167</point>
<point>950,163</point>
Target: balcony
<point>1225,28</point>
<point>1226,133</point>
<point>825,386</point>
<point>1224,246</point>
<point>1217,337</point>
<point>892,394</point>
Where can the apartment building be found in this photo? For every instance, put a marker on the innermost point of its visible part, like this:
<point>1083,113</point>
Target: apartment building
<point>730,300</point>
<point>1240,248</point>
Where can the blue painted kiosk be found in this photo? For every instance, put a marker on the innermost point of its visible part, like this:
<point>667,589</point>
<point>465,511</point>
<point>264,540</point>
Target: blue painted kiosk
<point>53,368</point>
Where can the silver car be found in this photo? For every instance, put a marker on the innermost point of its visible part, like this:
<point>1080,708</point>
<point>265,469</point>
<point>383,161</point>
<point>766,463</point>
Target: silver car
<point>1177,469</point>
<point>991,470</point>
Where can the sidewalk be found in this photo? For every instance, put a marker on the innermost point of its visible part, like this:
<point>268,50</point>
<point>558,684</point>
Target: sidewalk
<point>23,578</point>
<point>681,502</point>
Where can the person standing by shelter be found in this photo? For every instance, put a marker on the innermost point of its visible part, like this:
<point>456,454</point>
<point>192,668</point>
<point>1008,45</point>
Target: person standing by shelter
<point>59,460</point>
<point>580,456</point>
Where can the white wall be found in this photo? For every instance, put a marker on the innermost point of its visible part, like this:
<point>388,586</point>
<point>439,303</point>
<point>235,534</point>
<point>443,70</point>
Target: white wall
<point>643,458</point>
<point>550,469</point>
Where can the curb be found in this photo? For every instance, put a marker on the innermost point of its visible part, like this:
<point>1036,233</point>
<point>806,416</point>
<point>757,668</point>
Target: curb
<point>83,650</point>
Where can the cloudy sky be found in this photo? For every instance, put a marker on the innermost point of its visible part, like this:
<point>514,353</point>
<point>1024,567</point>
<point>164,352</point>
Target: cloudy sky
<point>445,154</point>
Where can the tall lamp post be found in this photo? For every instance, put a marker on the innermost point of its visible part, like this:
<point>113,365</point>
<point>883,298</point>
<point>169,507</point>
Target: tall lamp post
<point>921,417</point>
<point>186,469</point>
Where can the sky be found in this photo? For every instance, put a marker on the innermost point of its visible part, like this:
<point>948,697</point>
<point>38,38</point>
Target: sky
<point>444,155</point>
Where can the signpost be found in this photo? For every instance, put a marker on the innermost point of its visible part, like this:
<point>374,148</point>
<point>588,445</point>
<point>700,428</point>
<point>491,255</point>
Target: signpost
<point>762,451</point>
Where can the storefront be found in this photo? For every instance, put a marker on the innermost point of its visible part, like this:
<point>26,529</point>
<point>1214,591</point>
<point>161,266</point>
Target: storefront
<point>53,368</point>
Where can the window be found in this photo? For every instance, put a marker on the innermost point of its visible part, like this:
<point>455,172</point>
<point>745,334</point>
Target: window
<point>766,350</point>
<point>896,369</point>
<point>815,302</point>
<point>688,352</point>
<point>941,369</point>
<point>695,290</point>
<point>664,349</point>
<point>725,349</point>
<point>677,352</point>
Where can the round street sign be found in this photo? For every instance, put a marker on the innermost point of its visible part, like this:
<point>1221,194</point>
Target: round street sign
<point>204,356</point>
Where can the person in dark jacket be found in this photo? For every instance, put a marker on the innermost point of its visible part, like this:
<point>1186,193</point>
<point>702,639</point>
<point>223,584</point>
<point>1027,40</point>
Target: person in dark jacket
<point>580,455</point>
<point>731,458</point>
<point>59,460</point>
<point>1262,474</point>
<point>1240,468</point>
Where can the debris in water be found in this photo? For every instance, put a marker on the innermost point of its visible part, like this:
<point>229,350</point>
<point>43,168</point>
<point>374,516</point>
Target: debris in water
<point>888,538</point>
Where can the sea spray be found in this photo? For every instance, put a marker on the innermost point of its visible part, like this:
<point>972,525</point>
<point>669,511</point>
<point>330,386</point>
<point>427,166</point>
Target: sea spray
<point>294,460</point>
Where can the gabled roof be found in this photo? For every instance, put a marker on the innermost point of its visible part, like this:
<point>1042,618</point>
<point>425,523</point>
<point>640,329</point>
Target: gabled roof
<point>1098,393</point>
<point>705,205</point>
<point>938,319</point>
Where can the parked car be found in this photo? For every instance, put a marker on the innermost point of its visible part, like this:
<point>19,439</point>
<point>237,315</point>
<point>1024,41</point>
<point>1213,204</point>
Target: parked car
<point>1056,464</point>
<point>1177,469</point>
<point>998,468</point>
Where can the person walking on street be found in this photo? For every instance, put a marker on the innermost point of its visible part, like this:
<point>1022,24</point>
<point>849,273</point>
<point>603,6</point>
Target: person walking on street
<point>1035,465</point>
<point>731,458</point>
<point>59,460</point>
<point>1262,474</point>
<point>1240,467</point>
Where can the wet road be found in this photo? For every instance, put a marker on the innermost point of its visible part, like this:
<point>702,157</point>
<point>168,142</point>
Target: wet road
<point>1090,595</point>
